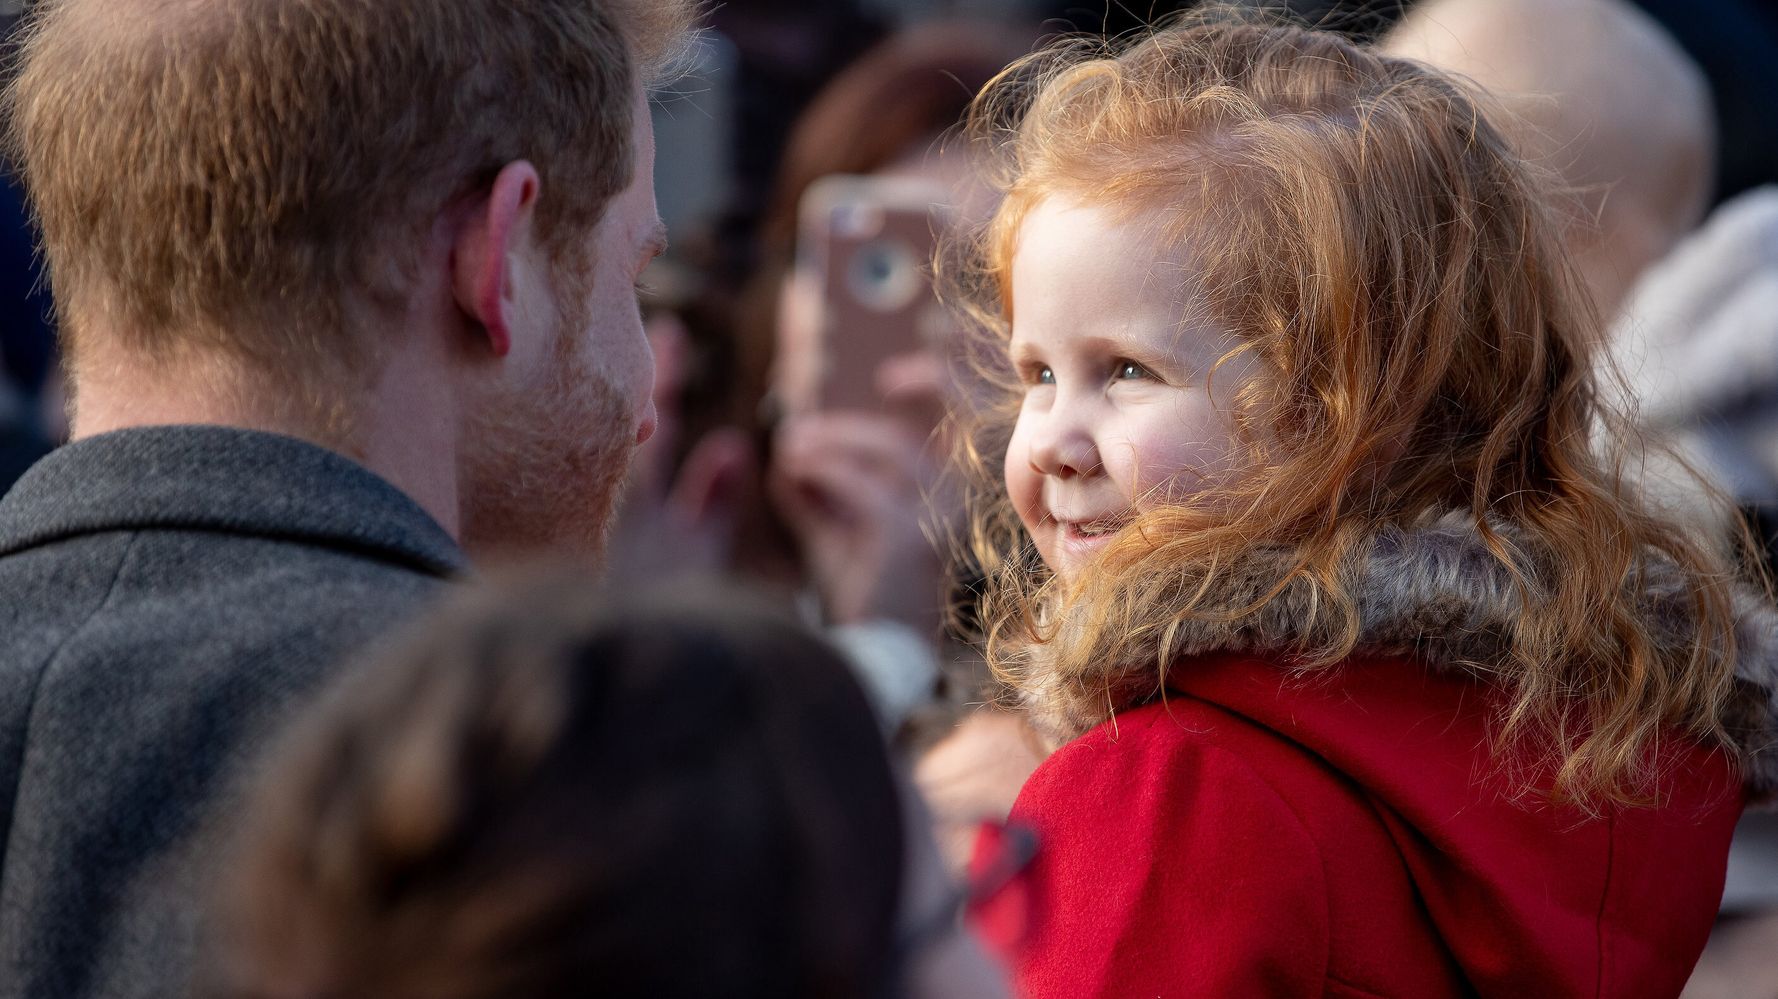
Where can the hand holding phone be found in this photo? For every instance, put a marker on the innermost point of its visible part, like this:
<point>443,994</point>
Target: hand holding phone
<point>865,247</point>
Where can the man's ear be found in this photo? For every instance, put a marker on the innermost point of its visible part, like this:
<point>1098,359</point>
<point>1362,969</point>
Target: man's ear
<point>483,261</point>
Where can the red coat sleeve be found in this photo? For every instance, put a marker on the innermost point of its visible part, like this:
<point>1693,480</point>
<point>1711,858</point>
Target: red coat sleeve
<point>1165,866</point>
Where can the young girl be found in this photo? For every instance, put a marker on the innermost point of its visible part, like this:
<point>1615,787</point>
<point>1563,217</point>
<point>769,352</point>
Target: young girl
<point>1370,673</point>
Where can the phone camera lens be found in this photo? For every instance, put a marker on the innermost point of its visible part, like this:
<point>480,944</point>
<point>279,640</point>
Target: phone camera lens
<point>885,276</point>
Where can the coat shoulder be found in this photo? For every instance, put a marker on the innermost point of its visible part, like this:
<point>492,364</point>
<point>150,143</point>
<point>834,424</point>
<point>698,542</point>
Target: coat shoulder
<point>1168,864</point>
<point>1252,864</point>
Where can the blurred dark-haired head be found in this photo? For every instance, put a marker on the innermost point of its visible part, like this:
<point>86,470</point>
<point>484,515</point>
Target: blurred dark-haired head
<point>890,107</point>
<point>543,793</point>
<point>1360,19</point>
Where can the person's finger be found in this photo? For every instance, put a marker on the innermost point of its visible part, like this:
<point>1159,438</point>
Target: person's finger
<point>863,439</point>
<point>897,480</point>
<point>796,371</point>
<point>849,491</point>
<point>832,494</point>
<point>712,478</point>
<point>807,483</point>
<point>864,428</point>
<point>916,389</point>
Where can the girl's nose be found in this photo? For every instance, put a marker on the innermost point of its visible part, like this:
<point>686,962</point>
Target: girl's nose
<point>1063,447</point>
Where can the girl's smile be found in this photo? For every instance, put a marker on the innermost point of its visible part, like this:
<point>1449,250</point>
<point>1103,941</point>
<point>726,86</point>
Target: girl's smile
<point>1110,343</point>
<point>1078,543</point>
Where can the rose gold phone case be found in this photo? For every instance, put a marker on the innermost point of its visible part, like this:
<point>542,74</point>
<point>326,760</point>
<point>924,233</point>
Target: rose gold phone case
<point>868,242</point>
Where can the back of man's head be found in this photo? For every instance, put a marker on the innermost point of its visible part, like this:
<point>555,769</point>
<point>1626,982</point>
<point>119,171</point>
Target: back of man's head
<point>1602,95</point>
<point>235,178</point>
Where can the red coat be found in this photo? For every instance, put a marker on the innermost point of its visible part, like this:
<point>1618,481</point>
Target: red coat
<point>1260,836</point>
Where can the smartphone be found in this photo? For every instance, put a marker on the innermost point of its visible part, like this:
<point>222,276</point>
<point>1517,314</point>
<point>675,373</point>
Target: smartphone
<point>866,245</point>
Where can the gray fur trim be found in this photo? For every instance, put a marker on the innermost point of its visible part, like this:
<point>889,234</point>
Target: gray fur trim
<point>1435,594</point>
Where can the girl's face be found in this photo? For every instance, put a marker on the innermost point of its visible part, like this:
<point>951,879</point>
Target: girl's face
<point>1117,416</point>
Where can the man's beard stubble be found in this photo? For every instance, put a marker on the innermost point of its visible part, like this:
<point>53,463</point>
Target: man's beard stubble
<point>545,463</point>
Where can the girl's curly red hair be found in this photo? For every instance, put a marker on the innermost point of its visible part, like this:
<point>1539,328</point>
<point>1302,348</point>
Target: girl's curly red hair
<point>1371,238</point>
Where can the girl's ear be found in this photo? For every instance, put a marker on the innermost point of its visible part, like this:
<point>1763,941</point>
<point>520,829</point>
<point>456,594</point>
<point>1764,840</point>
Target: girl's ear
<point>483,256</point>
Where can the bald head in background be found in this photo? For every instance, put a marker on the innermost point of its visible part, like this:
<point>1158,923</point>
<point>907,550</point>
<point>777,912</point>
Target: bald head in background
<point>1599,93</point>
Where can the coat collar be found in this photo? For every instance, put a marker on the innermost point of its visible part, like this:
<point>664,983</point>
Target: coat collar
<point>1433,594</point>
<point>223,479</point>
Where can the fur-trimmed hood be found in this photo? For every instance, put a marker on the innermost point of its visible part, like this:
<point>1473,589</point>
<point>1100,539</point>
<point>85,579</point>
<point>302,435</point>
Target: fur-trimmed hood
<point>1435,594</point>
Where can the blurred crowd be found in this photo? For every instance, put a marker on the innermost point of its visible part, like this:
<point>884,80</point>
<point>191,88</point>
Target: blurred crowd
<point>807,155</point>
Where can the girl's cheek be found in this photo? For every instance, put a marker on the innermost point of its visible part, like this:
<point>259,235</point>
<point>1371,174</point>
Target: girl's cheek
<point>1023,487</point>
<point>1176,461</point>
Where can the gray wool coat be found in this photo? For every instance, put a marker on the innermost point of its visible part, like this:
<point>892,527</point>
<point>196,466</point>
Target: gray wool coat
<point>168,596</point>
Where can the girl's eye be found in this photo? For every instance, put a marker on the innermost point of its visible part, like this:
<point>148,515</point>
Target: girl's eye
<point>1129,370</point>
<point>1045,376</point>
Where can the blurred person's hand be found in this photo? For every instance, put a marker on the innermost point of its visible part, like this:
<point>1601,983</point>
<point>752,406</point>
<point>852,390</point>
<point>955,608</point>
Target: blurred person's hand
<point>973,776</point>
<point>855,488</point>
<point>680,520</point>
<point>858,487</point>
